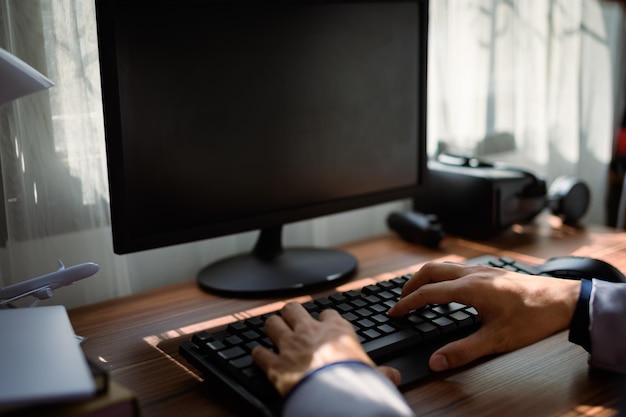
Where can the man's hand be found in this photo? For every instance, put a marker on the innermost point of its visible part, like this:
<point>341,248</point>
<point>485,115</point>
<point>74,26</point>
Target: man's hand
<point>305,344</point>
<point>516,310</point>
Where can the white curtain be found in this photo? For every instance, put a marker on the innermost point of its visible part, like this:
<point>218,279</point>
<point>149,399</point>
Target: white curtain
<point>532,83</point>
<point>539,76</point>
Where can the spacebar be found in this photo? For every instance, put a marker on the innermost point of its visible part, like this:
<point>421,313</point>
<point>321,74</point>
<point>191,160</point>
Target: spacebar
<point>391,343</point>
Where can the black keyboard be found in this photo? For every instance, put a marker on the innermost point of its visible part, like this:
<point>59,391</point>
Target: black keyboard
<point>223,355</point>
<point>505,263</point>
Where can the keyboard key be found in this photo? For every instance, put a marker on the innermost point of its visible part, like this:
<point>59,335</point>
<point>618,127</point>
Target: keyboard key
<point>371,334</point>
<point>324,303</point>
<point>213,346</point>
<point>351,294</point>
<point>415,319</point>
<point>365,323</point>
<point>371,289</point>
<point>351,317</point>
<point>461,318</point>
<point>237,327</point>
<point>371,299</point>
<point>358,303</point>
<point>427,314</point>
<point>338,298</point>
<point>231,353</point>
<point>380,318</point>
<point>389,284</point>
<point>254,322</point>
<point>386,329</point>
<point>201,338</point>
<point>242,362</point>
<point>427,330</point>
<point>445,309</point>
<point>392,342</point>
<point>379,308</point>
<point>251,335</point>
<point>310,307</point>
<point>386,295</point>
<point>344,308</point>
<point>233,340</point>
<point>445,324</point>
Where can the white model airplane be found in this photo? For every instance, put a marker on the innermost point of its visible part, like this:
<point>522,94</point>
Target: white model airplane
<point>41,287</point>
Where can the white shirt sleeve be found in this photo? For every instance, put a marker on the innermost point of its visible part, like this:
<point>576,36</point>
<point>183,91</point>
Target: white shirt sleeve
<point>346,389</point>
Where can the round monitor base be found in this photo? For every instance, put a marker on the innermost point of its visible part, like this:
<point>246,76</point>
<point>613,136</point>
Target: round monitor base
<point>295,270</point>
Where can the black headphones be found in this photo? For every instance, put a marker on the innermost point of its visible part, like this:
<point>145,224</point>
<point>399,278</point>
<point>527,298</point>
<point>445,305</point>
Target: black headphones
<point>568,198</point>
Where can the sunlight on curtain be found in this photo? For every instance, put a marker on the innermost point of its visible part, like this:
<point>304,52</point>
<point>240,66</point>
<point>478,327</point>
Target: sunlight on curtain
<point>52,153</point>
<point>532,83</point>
<point>78,131</point>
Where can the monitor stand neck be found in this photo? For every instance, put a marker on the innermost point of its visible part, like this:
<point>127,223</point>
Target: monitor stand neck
<point>270,270</point>
<point>269,244</point>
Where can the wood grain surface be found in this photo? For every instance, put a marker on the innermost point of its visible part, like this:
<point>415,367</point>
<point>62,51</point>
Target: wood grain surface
<point>137,337</point>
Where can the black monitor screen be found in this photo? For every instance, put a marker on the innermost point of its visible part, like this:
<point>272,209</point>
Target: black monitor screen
<point>229,116</point>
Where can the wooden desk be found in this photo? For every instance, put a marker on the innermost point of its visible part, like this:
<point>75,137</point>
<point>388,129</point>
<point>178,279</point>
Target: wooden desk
<point>138,337</point>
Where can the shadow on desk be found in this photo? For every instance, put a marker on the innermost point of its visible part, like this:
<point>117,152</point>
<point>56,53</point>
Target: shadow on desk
<point>555,382</point>
<point>503,385</point>
<point>217,399</point>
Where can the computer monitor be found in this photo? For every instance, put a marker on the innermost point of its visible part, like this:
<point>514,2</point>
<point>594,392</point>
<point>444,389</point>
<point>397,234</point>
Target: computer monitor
<point>229,116</point>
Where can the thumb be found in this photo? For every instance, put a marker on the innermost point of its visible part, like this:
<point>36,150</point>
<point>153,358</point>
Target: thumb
<point>392,373</point>
<point>459,353</point>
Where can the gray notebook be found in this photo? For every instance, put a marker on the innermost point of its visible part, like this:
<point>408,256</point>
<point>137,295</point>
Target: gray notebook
<point>40,358</point>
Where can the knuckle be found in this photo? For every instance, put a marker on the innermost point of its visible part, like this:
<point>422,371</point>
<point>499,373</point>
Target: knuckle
<point>428,267</point>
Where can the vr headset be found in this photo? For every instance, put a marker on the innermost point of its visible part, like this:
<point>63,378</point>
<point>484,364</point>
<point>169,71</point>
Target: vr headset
<point>476,199</point>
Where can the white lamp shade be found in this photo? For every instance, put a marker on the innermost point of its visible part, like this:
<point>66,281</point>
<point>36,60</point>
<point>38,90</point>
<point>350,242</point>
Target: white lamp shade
<point>18,79</point>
